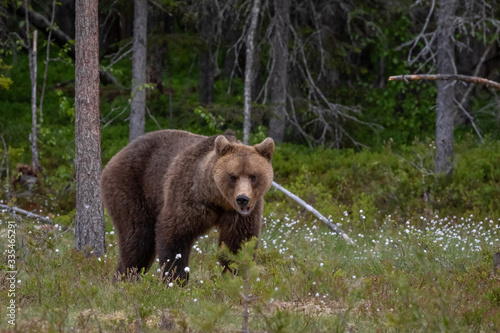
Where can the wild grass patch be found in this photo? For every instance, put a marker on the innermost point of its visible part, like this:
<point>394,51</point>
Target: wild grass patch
<point>422,274</point>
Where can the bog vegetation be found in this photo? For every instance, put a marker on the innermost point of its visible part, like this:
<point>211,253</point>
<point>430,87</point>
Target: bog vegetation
<point>425,245</point>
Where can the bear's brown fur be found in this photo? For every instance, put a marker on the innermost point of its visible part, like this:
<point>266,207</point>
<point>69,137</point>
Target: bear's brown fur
<point>168,187</point>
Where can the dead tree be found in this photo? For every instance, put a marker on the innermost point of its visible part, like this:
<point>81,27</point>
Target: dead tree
<point>433,50</point>
<point>445,109</point>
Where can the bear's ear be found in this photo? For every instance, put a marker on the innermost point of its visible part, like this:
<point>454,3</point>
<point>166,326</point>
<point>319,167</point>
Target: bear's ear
<point>266,148</point>
<point>222,145</point>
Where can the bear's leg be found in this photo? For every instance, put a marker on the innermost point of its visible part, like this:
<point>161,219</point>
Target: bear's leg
<point>235,230</point>
<point>137,248</point>
<point>173,248</point>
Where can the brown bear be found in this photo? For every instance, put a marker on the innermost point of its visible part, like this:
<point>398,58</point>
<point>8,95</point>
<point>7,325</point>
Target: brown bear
<point>168,187</point>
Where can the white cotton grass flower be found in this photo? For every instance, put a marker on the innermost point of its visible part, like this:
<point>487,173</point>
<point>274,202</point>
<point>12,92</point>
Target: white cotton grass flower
<point>178,256</point>
<point>186,269</point>
<point>170,284</point>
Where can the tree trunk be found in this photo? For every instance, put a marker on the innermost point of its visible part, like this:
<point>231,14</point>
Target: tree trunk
<point>278,76</point>
<point>157,52</point>
<point>34,130</point>
<point>138,105</point>
<point>207,61</point>
<point>47,60</point>
<point>249,72</point>
<point>445,90</point>
<point>207,69</point>
<point>89,230</point>
<point>33,76</point>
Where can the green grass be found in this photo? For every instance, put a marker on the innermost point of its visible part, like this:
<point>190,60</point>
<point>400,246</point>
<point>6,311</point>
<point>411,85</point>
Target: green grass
<point>424,275</point>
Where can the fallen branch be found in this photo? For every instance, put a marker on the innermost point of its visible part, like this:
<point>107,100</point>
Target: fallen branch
<point>25,212</point>
<point>433,77</point>
<point>311,209</point>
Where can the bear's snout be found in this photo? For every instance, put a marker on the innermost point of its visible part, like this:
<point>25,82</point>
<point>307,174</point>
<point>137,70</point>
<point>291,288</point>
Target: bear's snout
<point>242,200</point>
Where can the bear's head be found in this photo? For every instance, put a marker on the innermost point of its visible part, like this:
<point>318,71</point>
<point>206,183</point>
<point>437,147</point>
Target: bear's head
<point>243,174</point>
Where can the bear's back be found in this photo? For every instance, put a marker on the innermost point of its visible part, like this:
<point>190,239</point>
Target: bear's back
<point>137,172</point>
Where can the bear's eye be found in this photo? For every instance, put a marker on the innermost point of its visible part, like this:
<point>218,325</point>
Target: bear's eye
<point>233,178</point>
<point>253,178</point>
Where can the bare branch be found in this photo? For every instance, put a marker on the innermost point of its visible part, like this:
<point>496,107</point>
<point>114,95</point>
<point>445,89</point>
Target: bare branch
<point>25,212</point>
<point>152,117</point>
<point>433,77</point>
<point>476,72</point>
<point>471,120</point>
<point>113,119</point>
<point>157,5</point>
<point>422,35</point>
<point>115,57</point>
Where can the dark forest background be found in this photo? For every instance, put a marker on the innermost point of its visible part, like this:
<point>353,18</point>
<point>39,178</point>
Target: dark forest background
<point>334,58</point>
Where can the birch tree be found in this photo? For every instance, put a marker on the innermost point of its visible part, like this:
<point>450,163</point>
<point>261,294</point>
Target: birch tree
<point>138,104</point>
<point>89,230</point>
<point>249,70</point>
<point>32,54</point>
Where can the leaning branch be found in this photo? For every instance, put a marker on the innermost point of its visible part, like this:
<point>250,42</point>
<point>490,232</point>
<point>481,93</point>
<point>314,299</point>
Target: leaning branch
<point>25,212</point>
<point>311,209</point>
<point>465,78</point>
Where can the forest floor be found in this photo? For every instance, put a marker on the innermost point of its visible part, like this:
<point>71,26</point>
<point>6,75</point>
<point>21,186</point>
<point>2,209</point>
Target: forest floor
<point>424,274</point>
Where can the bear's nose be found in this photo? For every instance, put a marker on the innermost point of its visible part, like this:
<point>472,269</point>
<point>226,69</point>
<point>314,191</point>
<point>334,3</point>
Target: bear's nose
<point>242,200</point>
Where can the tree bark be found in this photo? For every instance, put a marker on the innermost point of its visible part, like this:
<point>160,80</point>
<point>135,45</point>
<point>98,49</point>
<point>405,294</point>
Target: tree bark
<point>34,130</point>
<point>279,76</point>
<point>207,61</point>
<point>32,50</point>
<point>89,230</point>
<point>445,90</point>
<point>207,70</point>
<point>249,71</point>
<point>138,105</point>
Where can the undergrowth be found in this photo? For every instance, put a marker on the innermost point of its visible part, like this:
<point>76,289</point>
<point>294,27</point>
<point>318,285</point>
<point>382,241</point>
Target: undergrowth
<point>422,275</point>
